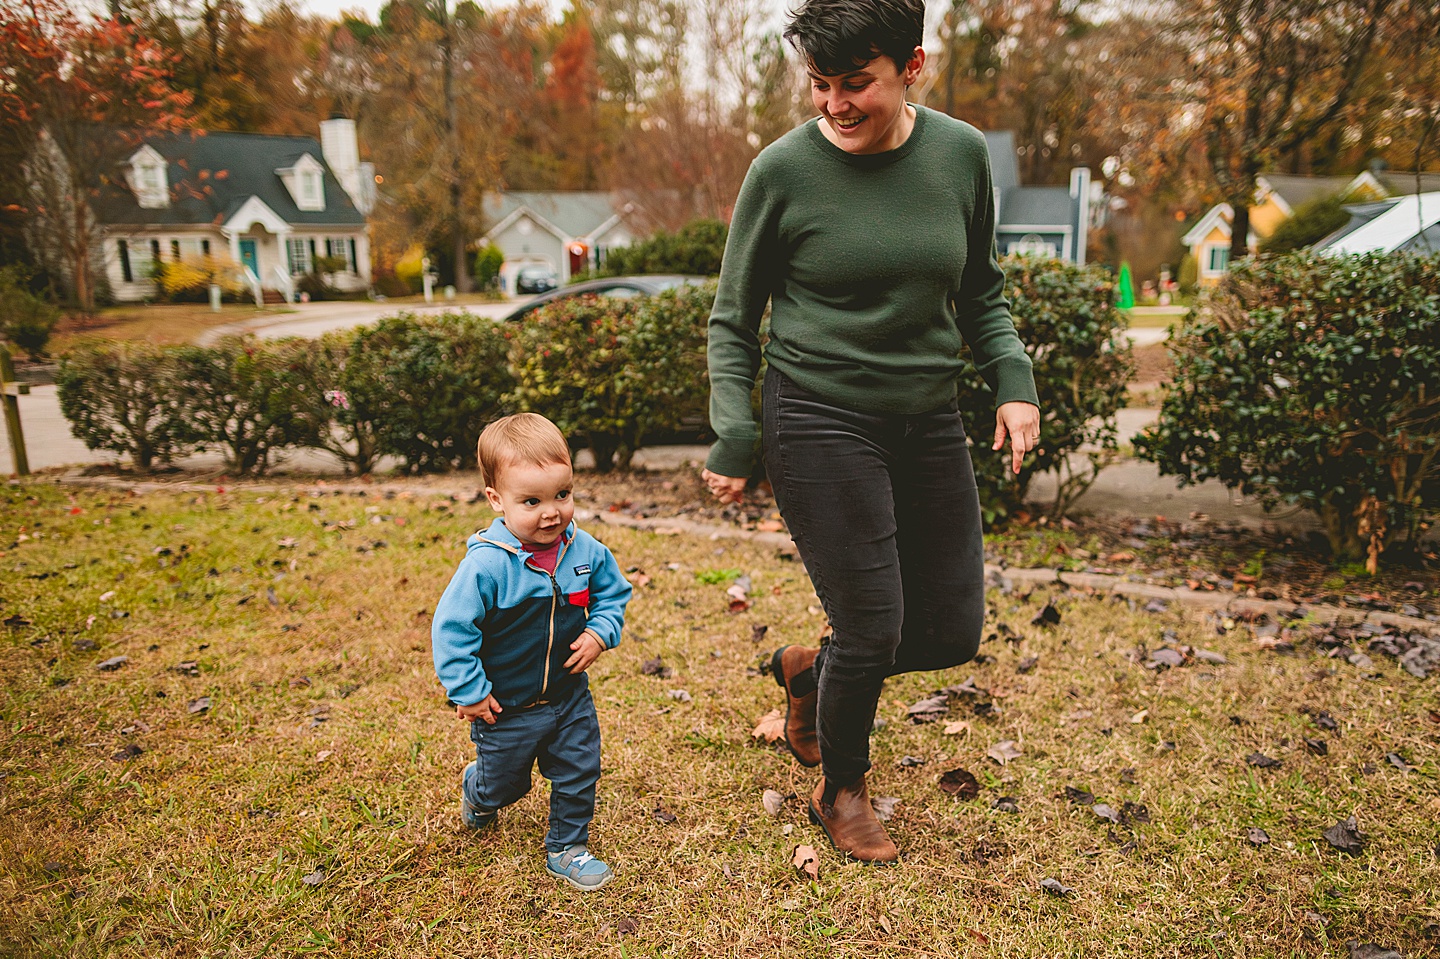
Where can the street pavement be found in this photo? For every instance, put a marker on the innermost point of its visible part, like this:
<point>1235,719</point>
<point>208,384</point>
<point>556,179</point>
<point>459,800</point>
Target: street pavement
<point>1131,487</point>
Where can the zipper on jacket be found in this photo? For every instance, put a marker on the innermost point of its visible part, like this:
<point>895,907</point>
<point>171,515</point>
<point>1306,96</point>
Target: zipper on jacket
<point>554,604</point>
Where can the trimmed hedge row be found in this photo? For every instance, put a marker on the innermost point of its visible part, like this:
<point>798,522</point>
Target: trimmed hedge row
<point>611,372</point>
<point>1314,381</point>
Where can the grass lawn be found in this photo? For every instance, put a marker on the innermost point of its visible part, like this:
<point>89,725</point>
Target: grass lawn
<point>1153,317</point>
<point>273,770</point>
<point>155,323</point>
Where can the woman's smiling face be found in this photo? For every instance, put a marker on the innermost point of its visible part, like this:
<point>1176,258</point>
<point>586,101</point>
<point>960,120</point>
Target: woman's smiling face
<point>865,109</point>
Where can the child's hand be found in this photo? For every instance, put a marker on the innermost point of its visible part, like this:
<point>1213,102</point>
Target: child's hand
<point>588,648</point>
<point>487,709</point>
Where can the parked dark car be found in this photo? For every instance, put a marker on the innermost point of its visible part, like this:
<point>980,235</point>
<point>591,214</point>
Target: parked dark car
<point>623,287</point>
<point>535,279</point>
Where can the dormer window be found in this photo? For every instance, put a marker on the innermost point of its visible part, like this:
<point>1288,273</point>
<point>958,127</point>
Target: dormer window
<point>149,180</point>
<point>306,182</point>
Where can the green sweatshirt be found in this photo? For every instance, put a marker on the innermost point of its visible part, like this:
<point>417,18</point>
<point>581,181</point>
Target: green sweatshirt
<point>877,268</point>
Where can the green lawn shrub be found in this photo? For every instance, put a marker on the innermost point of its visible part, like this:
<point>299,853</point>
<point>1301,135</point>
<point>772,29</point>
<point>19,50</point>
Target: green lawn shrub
<point>614,371</point>
<point>26,318</point>
<point>127,398</point>
<point>338,410</point>
<point>429,385</point>
<point>1066,317</point>
<point>1314,381</point>
<point>693,250</point>
<point>246,397</point>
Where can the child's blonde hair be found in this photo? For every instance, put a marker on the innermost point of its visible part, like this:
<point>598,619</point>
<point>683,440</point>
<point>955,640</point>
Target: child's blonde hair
<point>527,438</point>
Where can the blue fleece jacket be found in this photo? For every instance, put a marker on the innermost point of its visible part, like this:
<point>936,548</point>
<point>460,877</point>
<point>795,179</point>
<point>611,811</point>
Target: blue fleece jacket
<point>504,626</point>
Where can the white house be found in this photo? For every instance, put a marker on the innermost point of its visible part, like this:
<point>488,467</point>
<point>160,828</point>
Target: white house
<point>1409,224</point>
<point>271,204</point>
<point>565,231</point>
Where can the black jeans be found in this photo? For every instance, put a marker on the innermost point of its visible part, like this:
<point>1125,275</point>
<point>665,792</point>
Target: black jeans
<point>886,516</point>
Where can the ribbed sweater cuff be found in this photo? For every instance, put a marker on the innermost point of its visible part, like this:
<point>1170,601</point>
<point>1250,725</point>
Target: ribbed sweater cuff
<point>731,458</point>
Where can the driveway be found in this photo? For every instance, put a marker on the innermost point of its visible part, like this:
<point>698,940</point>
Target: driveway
<point>316,319</point>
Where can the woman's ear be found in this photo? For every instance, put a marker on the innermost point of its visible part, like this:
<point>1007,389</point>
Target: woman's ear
<point>914,65</point>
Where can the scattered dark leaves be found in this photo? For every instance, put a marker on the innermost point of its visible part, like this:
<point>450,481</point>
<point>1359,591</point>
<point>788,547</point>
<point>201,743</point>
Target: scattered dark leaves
<point>112,664</point>
<point>1134,812</point>
<point>627,926</point>
<point>198,705</point>
<point>1256,836</point>
<point>960,784</point>
<point>656,667</point>
<point>130,751</point>
<point>884,807</point>
<point>1262,761</point>
<point>84,645</point>
<point>1004,751</point>
<point>1165,658</point>
<point>1368,950</point>
<point>315,878</point>
<point>757,632</point>
<point>663,815</point>
<point>1027,664</point>
<point>1079,796</point>
<point>1005,804</point>
<point>1318,747</point>
<point>929,710</point>
<point>1398,761</point>
<point>906,762</point>
<point>1127,776</point>
<point>1104,811</point>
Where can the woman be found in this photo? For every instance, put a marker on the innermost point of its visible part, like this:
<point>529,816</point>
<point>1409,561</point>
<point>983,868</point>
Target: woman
<point>871,232</point>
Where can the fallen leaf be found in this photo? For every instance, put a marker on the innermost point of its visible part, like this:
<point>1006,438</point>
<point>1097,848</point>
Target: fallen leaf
<point>929,710</point>
<point>885,924</point>
<point>1262,761</point>
<point>130,751</point>
<point>1049,616</point>
<point>640,578</point>
<point>757,632</point>
<point>1106,812</point>
<point>1080,797</point>
<point>663,815</point>
<point>1398,761</point>
<point>315,878</point>
<point>199,705</point>
<point>1128,776</point>
<point>680,695</point>
<point>1317,746</point>
<point>112,664</point>
<point>656,667</point>
<point>106,596</point>
<point>960,784</point>
<point>627,927</point>
<point>1004,751</point>
<point>288,542</point>
<point>1005,804</point>
<point>1368,950</point>
<point>771,727</point>
<point>1167,657</point>
<point>1140,717</point>
<point>1134,812</point>
<point>884,807</point>
<point>1346,836</point>
<point>905,762</point>
<point>1257,836</point>
<point>958,728</point>
<point>1027,664</point>
<point>1210,656</point>
<point>806,862</point>
<point>271,597</point>
<point>772,801</point>
<point>1055,888</point>
<point>323,755</point>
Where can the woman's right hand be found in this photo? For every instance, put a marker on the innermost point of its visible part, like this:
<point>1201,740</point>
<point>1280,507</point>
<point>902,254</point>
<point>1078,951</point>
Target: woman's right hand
<point>727,489</point>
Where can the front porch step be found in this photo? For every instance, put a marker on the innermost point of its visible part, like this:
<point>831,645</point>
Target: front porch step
<point>272,297</point>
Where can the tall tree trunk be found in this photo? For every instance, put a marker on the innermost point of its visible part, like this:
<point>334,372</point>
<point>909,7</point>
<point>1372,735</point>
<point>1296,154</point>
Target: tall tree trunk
<point>1240,230</point>
<point>452,140</point>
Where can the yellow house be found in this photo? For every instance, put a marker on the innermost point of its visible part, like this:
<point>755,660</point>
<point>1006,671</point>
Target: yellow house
<point>1277,197</point>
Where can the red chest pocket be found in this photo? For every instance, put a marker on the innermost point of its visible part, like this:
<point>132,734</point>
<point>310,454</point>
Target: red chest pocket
<point>582,598</point>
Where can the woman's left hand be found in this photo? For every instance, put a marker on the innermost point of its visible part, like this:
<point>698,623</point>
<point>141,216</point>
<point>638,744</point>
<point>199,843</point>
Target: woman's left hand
<point>1021,421</point>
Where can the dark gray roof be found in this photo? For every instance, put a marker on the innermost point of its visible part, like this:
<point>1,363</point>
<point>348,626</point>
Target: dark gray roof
<point>1004,167</point>
<point>213,174</point>
<point>1297,190</point>
<point>1400,183</point>
<point>574,212</point>
<point>1036,206</point>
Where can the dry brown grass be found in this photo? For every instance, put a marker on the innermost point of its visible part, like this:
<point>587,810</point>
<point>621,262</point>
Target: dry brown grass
<point>166,323</point>
<point>199,845</point>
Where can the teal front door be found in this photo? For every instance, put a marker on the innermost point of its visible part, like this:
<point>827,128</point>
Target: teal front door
<point>249,257</point>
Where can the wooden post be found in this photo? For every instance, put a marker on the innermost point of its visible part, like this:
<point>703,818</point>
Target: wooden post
<point>10,393</point>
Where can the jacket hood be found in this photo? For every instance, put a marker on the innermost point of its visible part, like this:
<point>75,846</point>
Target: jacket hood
<point>500,537</point>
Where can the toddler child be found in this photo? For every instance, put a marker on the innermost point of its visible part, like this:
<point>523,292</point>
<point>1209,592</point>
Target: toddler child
<point>534,602</point>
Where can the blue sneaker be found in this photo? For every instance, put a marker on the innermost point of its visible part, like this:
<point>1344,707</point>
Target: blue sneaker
<point>476,817</point>
<point>576,866</point>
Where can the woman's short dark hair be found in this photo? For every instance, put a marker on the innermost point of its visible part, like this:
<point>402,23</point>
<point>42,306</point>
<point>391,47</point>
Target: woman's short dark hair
<point>837,36</point>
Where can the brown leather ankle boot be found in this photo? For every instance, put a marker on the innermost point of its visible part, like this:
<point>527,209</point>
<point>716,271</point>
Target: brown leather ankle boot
<point>791,668</point>
<point>851,824</point>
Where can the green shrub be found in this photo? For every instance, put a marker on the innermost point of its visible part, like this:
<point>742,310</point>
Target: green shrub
<point>333,411</point>
<point>26,319</point>
<point>1312,222</point>
<point>429,385</point>
<point>695,250</point>
<point>1313,380</point>
<point>613,370</point>
<point>126,398</point>
<point>1188,276</point>
<point>244,396</point>
<point>488,262</point>
<point>1067,319</point>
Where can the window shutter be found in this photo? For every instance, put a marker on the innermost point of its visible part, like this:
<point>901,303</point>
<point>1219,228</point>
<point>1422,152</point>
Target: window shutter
<point>125,272</point>
<point>354,260</point>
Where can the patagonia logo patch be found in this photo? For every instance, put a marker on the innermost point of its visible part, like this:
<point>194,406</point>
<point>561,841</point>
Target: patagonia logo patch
<point>582,569</point>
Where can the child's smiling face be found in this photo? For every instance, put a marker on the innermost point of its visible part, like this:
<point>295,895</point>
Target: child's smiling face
<point>535,500</point>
